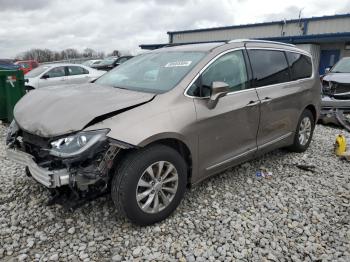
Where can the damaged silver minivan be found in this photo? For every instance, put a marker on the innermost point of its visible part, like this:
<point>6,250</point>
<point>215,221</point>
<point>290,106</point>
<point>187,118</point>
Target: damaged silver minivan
<point>166,120</point>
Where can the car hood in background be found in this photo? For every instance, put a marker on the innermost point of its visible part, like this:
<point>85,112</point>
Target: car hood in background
<point>54,111</point>
<point>338,77</point>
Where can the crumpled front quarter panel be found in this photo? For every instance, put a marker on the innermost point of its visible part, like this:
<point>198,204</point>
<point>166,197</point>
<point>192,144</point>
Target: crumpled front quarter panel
<point>153,121</point>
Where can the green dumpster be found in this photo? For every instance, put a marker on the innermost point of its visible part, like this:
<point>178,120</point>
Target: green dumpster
<point>11,90</point>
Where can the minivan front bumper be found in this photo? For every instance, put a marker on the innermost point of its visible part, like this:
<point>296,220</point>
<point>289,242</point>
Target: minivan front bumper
<point>46,177</point>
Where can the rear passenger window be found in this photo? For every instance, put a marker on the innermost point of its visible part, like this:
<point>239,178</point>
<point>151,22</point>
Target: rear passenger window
<point>300,65</point>
<point>56,72</point>
<point>269,67</point>
<point>77,70</point>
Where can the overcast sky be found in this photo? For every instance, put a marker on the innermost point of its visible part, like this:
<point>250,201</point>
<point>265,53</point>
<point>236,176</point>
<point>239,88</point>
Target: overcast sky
<point>105,25</point>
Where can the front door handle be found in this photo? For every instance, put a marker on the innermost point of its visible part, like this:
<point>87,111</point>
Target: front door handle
<point>266,100</point>
<point>253,103</point>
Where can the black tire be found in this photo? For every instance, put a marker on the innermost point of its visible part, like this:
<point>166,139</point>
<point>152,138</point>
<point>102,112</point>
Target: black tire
<point>29,88</point>
<point>297,146</point>
<point>128,173</point>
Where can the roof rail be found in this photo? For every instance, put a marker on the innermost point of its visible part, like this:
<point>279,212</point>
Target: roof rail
<point>258,41</point>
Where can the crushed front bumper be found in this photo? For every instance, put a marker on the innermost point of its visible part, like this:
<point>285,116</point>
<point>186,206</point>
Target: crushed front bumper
<point>48,178</point>
<point>328,103</point>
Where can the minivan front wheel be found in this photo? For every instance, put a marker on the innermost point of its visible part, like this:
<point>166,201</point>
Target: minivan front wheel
<point>304,132</point>
<point>149,184</point>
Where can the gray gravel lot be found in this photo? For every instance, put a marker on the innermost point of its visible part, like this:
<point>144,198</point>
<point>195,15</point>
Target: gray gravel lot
<point>294,216</point>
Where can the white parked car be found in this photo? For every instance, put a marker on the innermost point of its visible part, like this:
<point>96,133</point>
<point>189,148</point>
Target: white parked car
<point>60,74</point>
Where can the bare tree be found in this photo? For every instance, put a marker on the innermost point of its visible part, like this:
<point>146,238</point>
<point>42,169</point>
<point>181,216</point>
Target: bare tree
<point>72,53</point>
<point>115,53</point>
<point>100,54</point>
<point>47,55</point>
<point>89,52</point>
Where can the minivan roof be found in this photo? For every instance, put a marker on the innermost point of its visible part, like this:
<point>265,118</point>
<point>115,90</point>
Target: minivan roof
<point>208,46</point>
<point>191,47</point>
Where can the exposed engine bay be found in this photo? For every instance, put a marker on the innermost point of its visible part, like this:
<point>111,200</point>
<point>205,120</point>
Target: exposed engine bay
<point>78,176</point>
<point>335,104</point>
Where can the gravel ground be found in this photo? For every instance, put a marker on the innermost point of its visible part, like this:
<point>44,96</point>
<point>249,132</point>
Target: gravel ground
<point>295,215</point>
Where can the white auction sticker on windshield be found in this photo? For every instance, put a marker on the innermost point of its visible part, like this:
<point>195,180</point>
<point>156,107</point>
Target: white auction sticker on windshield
<point>178,63</point>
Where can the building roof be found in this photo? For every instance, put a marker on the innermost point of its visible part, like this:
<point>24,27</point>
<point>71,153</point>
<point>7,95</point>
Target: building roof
<point>300,39</point>
<point>334,28</point>
<point>318,18</point>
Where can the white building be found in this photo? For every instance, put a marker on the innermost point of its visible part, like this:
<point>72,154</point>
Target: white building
<point>327,38</point>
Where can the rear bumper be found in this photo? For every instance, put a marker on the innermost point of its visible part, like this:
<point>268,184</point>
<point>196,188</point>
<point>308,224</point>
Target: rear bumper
<point>49,178</point>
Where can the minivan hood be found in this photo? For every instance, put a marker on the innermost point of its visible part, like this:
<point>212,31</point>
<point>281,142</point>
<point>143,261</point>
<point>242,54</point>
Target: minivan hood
<point>338,77</point>
<point>59,110</point>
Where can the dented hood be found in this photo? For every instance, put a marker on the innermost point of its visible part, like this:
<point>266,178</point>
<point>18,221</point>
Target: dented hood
<point>54,111</point>
<point>343,78</point>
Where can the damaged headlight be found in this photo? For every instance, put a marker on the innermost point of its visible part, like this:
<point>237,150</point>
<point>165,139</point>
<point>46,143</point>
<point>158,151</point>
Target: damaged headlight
<point>78,143</point>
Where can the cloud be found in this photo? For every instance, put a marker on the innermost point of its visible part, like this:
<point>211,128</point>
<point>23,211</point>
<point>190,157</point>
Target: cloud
<point>23,4</point>
<point>307,8</point>
<point>345,8</point>
<point>105,24</point>
<point>115,24</point>
<point>291,12</point>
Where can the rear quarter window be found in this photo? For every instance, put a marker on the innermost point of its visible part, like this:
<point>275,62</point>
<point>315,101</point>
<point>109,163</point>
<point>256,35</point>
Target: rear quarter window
<point>300,65</point>
<point>269,67</point>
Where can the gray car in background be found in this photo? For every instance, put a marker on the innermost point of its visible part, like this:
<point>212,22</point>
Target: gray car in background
<point>93,62</point>
<point>335,105</point>
<point>165,120</point>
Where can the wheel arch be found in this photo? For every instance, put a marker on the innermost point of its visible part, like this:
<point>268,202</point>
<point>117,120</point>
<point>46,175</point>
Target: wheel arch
<point>313,110</point>
<point>178,145</point>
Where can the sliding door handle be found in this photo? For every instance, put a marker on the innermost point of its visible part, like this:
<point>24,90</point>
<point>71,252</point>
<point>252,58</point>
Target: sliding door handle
<point>266,100</point>
<point>253,103</point>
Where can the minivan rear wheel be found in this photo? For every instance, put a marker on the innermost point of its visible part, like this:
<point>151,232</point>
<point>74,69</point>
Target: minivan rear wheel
<point>304,132</point>
<point>149,184</point>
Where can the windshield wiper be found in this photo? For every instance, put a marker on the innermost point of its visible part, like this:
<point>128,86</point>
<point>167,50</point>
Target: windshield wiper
<point>120,87</point>
<point>339,72</point>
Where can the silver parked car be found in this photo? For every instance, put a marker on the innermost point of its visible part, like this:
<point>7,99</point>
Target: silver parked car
<point>60,74</point>
<point>165,120</point>
<point>93,62</point>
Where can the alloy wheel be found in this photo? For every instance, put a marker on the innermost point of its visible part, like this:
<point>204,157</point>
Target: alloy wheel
<point>305,130</point>
<point>157,187</point>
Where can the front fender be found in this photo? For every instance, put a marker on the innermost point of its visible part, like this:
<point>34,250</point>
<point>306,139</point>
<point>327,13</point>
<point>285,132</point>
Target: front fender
<point>162,136</point>
<point>153,121</point>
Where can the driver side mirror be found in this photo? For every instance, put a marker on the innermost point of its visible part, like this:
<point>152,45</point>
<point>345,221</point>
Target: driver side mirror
<point>45,76</point>
<point>218,90</point>
<point>327,70</point>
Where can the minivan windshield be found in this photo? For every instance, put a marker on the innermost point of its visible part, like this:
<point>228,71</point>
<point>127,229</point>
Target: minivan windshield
<point>343,66</point>
<point>37,71</point>
<point>152,72</point>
